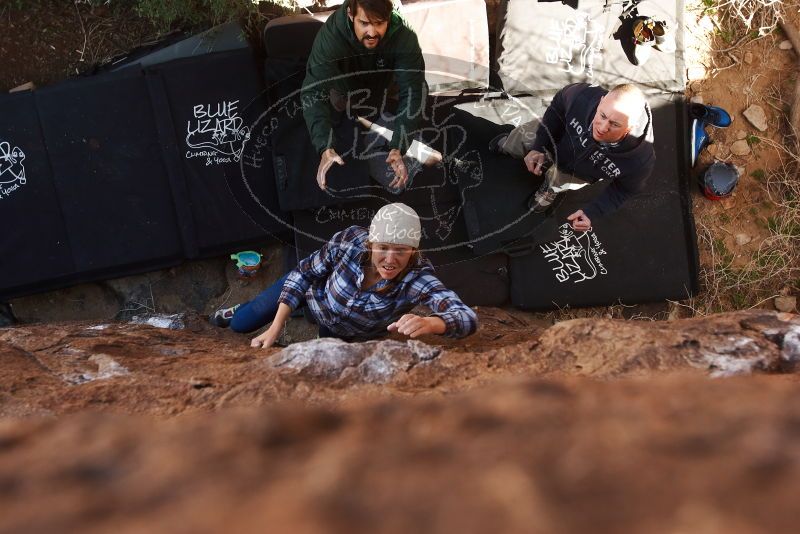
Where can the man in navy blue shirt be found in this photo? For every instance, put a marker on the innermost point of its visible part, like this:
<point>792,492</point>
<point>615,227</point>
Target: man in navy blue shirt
<point>587,134</point>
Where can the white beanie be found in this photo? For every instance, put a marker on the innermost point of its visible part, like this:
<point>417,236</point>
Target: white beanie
<point>397,224</point>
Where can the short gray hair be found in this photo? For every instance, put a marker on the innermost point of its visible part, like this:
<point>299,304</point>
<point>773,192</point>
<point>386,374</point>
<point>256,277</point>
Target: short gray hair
<point>634,98</point>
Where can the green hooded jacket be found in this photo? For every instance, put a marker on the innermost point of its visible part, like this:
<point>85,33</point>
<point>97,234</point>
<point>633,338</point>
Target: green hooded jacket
<point>336,55</point>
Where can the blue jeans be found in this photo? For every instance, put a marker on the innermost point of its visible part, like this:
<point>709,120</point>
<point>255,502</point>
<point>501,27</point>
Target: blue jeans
<point>261,310</point>
<point>254,314</point>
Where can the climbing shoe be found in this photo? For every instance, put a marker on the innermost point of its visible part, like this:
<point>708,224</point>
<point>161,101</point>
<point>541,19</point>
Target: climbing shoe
<point>699,139</point>
<point>223,316</point>
<point>710,115</point>
<point>542,198</point>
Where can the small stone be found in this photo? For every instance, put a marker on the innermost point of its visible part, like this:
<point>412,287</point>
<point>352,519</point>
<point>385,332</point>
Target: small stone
<point>785,304</point>
<point>696,86</point>
<point>785,45</point>
<point>748,57</point>
<point>741,134</point>
<point>743,239</point>
<point>755,114</point>
<point>695,73</point>
<point>175,321</point>
<point>727,203</point>
<point>696,99</point>
<point>740,148</point>
<point>712,149</point>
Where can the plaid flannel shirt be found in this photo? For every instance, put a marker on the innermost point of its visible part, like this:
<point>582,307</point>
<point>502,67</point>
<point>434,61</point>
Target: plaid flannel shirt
<point>330,280</point>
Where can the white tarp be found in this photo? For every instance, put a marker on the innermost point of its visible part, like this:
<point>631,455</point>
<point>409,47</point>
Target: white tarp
<point>544,46</point>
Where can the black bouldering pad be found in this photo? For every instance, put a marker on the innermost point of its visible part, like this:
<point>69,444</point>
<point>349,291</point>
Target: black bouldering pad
<point>494,188</point>
<point>217,108</point>
<point>133,171</point>
<point>644,252</point>
<point>34,244</point>
<point>109,173</point>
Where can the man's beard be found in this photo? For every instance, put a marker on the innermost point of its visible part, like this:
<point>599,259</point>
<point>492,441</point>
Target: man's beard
<point>377,39</point>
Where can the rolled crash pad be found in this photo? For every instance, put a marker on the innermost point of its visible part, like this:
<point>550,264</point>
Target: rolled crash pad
<point>291,36</point>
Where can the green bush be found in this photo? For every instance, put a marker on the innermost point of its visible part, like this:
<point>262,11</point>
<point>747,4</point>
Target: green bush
<point>192,12</point>
<point>197,13</point>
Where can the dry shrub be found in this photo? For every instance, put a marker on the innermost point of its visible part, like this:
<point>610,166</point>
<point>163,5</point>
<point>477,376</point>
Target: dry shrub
<point>761,16</point>
<point>774,268</point>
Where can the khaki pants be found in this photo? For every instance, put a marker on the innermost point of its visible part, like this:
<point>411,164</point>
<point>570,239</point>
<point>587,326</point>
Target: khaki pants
<point>519,143</point>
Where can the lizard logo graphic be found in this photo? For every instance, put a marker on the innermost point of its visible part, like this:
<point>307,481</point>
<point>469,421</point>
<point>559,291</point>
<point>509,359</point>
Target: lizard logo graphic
<point>12,171</point>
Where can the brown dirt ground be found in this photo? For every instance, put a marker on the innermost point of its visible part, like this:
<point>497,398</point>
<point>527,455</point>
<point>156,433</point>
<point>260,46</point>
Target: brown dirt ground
<point>734,77</point>
<point>54,40</point>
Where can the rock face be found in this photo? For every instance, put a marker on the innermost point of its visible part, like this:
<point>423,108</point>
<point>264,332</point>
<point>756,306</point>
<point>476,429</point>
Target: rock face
<point>531,455</point>
<point>56,369</point>
<point>545,432</point>
<point>611,349</point>
<point>375,362</point>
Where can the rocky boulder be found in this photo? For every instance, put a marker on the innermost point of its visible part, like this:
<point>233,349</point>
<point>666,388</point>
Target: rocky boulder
<point>686,423</point>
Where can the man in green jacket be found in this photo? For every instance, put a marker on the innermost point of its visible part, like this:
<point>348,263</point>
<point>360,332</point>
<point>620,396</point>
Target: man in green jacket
<point>362,49</point>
